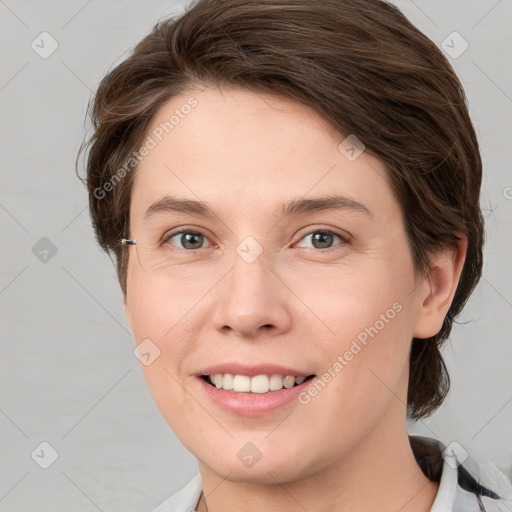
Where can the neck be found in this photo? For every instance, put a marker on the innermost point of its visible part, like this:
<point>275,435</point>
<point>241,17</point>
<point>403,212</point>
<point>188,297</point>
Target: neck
<point>379,473</point>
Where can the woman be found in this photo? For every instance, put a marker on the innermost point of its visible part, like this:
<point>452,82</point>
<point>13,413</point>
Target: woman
<point>291,192</point>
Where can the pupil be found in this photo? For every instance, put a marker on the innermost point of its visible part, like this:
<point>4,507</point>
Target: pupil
<point>188,239</point>
<point>320,237</point>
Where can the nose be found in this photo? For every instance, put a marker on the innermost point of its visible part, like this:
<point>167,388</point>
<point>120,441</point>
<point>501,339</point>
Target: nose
<point>252,300</point>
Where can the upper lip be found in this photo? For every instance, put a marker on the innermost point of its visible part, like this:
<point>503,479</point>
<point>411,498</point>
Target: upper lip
<point>252,370</point>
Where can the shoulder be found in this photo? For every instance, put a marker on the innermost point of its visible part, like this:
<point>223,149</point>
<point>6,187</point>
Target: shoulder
<point>468,501</point>
<point>468,482</point>
<point>183,500</point>
<point>485,484</point>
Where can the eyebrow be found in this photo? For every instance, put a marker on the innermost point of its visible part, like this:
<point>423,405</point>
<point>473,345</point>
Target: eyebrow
<point>293,207</point>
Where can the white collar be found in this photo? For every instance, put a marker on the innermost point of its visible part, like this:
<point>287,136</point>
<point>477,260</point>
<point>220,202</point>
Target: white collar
<point>445,496</point>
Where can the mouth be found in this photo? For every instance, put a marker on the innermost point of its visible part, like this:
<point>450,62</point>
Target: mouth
<point>256,396</point>
<point>244,389</point>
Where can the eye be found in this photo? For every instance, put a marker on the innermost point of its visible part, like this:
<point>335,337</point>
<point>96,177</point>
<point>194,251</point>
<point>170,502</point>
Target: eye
<point>323,238</point>
<point>189,239</point>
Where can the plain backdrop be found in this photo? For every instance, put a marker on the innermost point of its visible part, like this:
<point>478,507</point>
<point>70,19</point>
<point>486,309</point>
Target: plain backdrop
<point>68,374</point>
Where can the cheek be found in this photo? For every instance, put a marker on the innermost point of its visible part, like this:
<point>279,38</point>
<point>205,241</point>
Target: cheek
<point>365,318</point>
<point>160,323</point>
<point>154,314</point>
<point>158,309</point>
<point>365,375</point>
<point>342,302</point>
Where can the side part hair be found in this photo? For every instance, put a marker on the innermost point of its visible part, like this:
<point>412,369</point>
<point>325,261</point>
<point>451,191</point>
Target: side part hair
<point>365,69</point>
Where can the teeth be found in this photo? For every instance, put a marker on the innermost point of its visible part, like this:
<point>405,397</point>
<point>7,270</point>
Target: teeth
<point>257,384</point>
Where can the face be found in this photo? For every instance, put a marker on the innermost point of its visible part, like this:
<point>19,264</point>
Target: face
<point>324,290</point>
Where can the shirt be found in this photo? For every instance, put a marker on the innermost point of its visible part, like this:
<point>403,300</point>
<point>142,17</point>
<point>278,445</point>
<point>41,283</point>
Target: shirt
<point>458,491</point>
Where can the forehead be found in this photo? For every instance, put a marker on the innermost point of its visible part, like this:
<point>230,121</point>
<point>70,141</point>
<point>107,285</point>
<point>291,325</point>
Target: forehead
<point>249,152</point>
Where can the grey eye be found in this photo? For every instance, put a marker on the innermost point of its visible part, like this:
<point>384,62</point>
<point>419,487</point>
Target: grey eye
<point>188,239</point>
<point>323,239</point>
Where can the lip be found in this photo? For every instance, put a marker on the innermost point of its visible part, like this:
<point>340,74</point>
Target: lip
<point>252,404</point>
<point>252,370</point>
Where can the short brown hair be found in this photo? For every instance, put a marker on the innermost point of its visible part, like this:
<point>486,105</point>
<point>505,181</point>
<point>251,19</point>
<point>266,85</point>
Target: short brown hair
<point>363,67</point>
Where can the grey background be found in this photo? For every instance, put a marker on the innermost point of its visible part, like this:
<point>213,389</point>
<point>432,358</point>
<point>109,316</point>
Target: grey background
<point>68,373</point>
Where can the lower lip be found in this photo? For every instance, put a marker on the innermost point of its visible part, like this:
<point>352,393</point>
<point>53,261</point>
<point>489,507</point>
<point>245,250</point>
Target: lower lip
<point>253,404</point>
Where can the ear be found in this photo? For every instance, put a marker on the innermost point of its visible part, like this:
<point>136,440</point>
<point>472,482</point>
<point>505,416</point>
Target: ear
<point>439,288</point>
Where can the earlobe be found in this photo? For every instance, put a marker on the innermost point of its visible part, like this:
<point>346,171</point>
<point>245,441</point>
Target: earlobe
<point>447,265</point>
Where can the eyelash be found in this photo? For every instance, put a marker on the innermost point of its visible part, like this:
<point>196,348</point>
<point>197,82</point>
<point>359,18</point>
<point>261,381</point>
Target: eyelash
<point>343,239</point>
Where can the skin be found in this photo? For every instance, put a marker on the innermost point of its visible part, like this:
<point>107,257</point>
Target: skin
<point>296,304</point>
